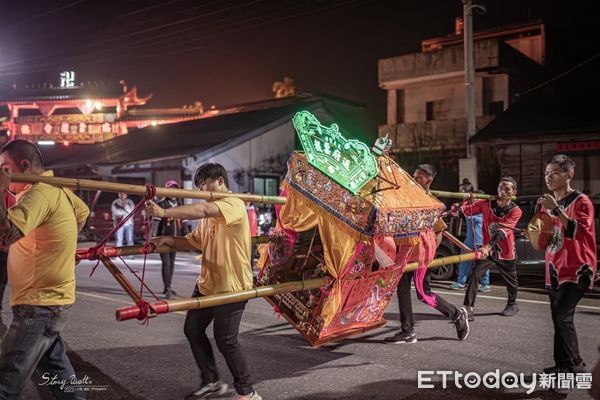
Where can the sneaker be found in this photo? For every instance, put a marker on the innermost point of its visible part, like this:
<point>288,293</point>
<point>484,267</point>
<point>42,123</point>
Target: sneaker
<point>251,396</point>
<point>207,391</point>
<point>576,369</point>
<point>552,370</point>
<point>458,286</point>
<point>462,323</point>
<point>401,337</point>
<point>484,288</point>
<point>510,310</point>
<point>470,313</point>
<point>579,369</point>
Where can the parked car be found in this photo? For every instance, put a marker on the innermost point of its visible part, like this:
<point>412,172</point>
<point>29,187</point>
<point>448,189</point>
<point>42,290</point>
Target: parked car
<point>529,260</point>
<point>100,222</point>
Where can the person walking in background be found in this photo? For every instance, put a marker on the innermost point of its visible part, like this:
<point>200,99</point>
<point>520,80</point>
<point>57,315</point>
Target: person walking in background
<point>466,186</point>
<point>168,227</point>
<point>120,208</point>
<point>473,240</point>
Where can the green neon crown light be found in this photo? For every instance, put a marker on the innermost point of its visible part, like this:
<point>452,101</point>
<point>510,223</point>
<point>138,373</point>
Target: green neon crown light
<point>348,162</point>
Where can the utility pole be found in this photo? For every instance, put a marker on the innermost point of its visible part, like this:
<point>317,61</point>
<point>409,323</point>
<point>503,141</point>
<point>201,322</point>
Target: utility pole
<point>468,166</point>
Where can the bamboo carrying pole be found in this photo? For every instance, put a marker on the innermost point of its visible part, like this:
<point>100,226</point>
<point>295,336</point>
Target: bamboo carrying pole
<point>162,307</point>
<point>438,262</point>
<point>85,184</point>
<point>108,251</point>
<point>460,195</point>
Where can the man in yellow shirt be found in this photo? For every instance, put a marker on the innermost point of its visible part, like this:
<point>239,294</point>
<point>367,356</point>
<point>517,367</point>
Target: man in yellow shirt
<point>41,230</point>
<point>223,236</point>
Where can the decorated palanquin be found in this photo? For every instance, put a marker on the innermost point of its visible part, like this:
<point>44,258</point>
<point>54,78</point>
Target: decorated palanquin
<point>353,217</point>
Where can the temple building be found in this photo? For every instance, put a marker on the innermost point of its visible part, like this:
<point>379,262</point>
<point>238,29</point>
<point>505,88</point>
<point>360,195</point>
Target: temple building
<point>83,113</point>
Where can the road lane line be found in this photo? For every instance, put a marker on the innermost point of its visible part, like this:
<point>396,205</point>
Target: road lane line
<point>504,299</point>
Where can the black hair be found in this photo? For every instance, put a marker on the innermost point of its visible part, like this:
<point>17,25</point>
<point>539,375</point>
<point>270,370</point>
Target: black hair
<point>20,150</point>
<point>565,163</point>
<point>509,179</point>
<point>212,171</point>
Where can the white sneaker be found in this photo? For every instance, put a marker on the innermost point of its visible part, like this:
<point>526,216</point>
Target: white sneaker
<point>207,391</point>
<point>251,396</point>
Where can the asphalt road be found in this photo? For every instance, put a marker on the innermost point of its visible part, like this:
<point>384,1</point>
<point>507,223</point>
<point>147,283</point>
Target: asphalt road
<point>127,360</point>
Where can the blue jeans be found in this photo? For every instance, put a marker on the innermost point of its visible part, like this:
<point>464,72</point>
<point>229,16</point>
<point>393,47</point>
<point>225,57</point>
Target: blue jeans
<point>463,273</point>
<point>33,343</point>
<point>128,231</point>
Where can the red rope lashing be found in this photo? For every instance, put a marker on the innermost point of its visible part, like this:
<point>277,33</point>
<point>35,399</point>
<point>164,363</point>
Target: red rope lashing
<point>277,310</point>
<point>150,193</point>
<point>132,271</point>
<point>97,250</point>
<point>144,311</point>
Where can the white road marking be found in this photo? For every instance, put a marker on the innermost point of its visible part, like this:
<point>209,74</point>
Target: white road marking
<point>504,299</point>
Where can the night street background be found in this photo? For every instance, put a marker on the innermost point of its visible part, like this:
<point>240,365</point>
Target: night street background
<point>229,52</point>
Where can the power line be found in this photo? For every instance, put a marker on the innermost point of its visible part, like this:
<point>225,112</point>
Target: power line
<point>40,67</point>
<point>260,17</point>
<point>132,34</point>
<point>141,10</point>
<point>49,12</point>
<point>163,37</point>
<point>243,28</point>
<point>581,64</point>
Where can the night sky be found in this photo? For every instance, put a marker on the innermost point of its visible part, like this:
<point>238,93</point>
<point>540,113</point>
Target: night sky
<point>228,52</point>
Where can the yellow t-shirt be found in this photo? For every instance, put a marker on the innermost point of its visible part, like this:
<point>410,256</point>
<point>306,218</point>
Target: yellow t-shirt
<point>41,265</point>
<point>225,246</point>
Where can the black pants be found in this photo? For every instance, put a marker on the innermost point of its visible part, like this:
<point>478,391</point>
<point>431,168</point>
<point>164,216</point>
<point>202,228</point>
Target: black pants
<point>405,305</point>
<point>168,267</point>
<point>226,327</point>
<point>508,271</point>
<point>3,274</point>
<point>562,306</point>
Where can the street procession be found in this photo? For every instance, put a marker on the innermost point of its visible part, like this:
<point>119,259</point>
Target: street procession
<point>436,236</point>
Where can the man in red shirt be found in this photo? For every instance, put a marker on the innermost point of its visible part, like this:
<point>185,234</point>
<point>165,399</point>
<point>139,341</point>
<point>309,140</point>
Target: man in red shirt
<point>570,259</point>
<point>499,244</point>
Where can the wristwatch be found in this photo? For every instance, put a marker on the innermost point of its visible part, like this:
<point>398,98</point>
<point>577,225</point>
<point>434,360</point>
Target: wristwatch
<point>557,210</point>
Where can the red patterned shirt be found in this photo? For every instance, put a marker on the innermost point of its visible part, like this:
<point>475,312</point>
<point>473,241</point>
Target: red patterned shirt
<point>571,254</point>
<point>501,239</point>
